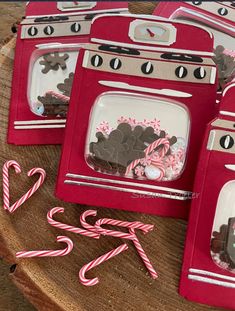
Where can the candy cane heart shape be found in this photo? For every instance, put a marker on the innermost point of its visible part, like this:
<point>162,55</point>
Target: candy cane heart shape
<point>49,253</point>
<point>67,227</point>
<point>96,262</point>
<point>32,190</point>
<point>5,175</point>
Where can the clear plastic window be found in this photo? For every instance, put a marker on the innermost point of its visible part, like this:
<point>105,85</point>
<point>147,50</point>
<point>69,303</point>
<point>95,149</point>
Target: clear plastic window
<point>137,136</point>
<point>51,73</point>
<point>223,232</point>
<point>224,50</point>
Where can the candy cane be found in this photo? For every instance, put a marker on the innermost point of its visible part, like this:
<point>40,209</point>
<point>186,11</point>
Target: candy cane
<point>59,96</point>
<point>49,253</point>
<point>5,174</point>
<point>156,143</point>
<point>118,234</point>
<point>31,191</point>
<point>66,227</point>
<point>148,150</point>
<point>84,222</point>
<point>143,255</point>
<point>134,225</point>
<point>96,262</point>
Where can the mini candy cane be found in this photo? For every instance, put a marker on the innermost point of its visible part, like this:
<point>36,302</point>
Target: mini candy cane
<point>156,143</point>
<point>118,234</point>
<point>59,96</point>
<point>96,262</point>
<point>49,253</point>
<point>31,191</point>
<point>131,225</point>
<point>66,227</point>
<point>84,222</point>
<point>5,174</point>
<point>149,149</point>
<point>143,255</point>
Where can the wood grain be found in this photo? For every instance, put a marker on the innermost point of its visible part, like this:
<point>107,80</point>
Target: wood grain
<point>52,283</point>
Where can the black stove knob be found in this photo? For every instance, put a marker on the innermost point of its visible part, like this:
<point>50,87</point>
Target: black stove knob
<point>197,2</point>
<point>181,72</point>
<point>32,31</point>
<point>96,60</point>
<point>147,68</point>
<point>223,11</point>
<point>226,142</point>
<point>115,63</point>
<point>75,27</point>
<point>199,73</point>
<point>48,30</point>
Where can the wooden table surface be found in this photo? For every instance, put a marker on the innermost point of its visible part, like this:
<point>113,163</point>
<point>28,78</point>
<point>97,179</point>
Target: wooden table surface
<point>52,283</point>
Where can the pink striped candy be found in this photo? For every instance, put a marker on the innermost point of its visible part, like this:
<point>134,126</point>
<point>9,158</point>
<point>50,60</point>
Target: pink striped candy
<point>28,194</point>
<point>143,255</point>
<point>96,262</point>
<point>66,227</point>
<point>49,253</point>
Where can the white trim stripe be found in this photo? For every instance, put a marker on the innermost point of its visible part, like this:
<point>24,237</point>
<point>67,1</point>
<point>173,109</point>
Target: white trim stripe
<point>33,127</point>
<point>210,281</point>
<point>39,122</point>
<point>209,273</point>
<point>128,183</point>
<point>227,113</point>
<point>141,192</point>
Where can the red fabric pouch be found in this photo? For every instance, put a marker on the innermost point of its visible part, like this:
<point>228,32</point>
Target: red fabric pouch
<point>209,259</point>
<point>219,18</point>
<point>140,103</point>
<point>45,58</point>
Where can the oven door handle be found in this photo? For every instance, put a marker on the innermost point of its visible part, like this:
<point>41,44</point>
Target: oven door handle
<point>230,167</point>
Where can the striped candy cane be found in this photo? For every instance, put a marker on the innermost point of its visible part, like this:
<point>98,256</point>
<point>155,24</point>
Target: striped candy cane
<point>84,222</point>
<point>96,262</point>
<point>59,96</point>
<point>5,175</point>
<point>148,150</point>
<point>66,227</point>
<point>96,228</point>
<point>31,191</point>
<point>118,234</point>
<point>134,225</point>
<point>143,255</point>
<point>49,253</point>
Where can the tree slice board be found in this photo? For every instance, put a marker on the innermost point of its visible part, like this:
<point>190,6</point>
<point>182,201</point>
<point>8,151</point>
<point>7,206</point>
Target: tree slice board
<point>52,283</point>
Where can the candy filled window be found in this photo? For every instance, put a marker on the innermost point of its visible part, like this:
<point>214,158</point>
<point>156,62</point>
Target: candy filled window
<point>51,73</point>
<point>223,232</point>
<point>224,51</point>
<point>137,136</point>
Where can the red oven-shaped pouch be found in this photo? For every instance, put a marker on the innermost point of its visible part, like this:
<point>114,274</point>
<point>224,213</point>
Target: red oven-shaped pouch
<point>46,53</point>
<point>208,273</point>
<point>219,18</point>
<point>73,7</point>
<point>140,104</point>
